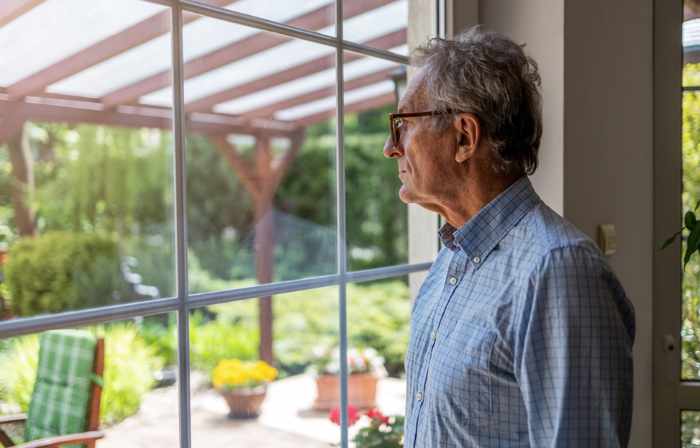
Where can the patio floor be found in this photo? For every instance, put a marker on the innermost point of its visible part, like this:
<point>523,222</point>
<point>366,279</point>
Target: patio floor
<point>286,419</point>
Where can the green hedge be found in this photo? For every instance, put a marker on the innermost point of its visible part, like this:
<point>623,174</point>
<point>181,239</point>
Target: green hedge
<point>60,271</point>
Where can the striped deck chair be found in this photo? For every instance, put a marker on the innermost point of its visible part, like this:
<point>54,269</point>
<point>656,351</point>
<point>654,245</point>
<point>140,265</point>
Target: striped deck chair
<point>65,405</point>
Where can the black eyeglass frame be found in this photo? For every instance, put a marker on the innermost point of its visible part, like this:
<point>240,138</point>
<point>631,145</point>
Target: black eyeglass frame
<point>393,117</point>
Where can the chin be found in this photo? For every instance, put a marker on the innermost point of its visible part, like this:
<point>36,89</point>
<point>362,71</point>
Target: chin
<point>406,196</point>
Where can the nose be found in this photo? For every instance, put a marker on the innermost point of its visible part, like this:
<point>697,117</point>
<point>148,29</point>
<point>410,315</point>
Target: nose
<point>391,151</point>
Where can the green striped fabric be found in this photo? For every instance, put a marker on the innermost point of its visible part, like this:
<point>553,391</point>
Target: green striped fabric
<point>61,394</point>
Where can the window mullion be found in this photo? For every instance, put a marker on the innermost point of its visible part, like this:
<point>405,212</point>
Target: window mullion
<point>183,358</point>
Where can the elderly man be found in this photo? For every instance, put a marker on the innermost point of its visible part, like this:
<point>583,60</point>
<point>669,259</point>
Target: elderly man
<point>521,334</point>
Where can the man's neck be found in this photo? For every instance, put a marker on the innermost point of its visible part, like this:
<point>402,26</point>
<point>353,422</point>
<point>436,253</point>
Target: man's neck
<point>477,193</point>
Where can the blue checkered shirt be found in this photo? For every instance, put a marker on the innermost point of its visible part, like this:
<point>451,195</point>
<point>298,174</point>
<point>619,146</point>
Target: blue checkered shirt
<point>521,336</point>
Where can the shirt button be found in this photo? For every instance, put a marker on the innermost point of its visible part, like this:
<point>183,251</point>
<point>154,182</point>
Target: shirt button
<point>433,335</point>
<point>419,396</point>
<point>453,280</point>
<point>476,260</point>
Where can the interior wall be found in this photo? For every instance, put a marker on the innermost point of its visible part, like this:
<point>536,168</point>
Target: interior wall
<point>608,155</point>
<point>595,59</point>
<point>539,24</point>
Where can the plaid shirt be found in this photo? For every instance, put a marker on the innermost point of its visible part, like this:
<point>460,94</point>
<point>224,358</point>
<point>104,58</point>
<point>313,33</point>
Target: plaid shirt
<point>521,336</point>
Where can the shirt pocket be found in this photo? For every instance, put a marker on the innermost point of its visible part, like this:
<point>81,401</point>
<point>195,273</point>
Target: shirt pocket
<point>462,374</point>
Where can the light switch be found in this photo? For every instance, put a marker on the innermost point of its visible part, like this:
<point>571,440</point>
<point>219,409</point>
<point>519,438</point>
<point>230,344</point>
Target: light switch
<point>607,238</point>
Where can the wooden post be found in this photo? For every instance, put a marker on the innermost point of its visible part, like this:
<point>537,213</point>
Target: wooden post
<point>261,180</point>
<point>23,183</point>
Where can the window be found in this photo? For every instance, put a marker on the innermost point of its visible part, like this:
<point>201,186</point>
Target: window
<point>205,180</point>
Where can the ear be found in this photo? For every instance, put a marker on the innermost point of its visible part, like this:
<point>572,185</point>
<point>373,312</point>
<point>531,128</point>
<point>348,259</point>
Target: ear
<point>468,136</point>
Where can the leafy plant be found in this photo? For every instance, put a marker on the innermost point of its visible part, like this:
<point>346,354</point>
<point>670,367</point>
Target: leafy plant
<point>128,375</point>
<point>692,225</point>
<point>382,431</point>
<point>216,340</point>
<point>61,271</point>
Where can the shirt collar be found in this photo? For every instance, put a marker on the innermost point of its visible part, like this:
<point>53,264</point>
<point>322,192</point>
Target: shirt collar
<point>482,233</point>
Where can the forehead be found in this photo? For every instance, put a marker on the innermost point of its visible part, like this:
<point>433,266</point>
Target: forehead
<point>413,98</point>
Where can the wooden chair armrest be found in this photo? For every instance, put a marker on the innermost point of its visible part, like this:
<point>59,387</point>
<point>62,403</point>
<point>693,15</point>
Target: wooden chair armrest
<point>12,418</point>
<point>58,441</point>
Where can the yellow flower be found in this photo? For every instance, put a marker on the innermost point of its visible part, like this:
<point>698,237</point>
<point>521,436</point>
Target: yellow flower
<point>234,373</point>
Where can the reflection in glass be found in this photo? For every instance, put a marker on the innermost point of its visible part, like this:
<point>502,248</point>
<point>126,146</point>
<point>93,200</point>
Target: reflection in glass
<point>85,187</point>
<point>305,324</point>
<point>138,380</point>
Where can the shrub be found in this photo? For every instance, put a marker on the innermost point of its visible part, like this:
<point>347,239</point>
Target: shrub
<point>16,383</point>
<point>129,367</point>
<point>128,375</point>
<point>378,317</point>
<point>60,271</point>
<point>216,340</point>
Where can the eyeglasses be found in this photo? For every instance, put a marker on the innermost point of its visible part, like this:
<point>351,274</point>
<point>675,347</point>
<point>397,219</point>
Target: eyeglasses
<point>396,121</point>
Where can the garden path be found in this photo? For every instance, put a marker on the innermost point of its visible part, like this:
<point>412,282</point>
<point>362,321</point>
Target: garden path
<point>285,421</point>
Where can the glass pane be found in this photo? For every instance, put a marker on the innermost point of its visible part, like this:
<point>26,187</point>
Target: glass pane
<point>261,176</point>
<point>377,220</point>
<point>378,330</point>
<point>690,355</point>
<point>313,15</point>
<point>236,402</point>
<point>85,188</point>
<point>139,379</point>
<point>377,23</point>
<point>690,429</point>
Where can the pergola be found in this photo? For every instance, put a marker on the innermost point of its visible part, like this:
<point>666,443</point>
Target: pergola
<point>108,63</point>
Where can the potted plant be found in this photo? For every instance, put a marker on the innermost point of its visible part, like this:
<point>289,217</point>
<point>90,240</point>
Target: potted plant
<point>365,367</point>
<point>243,385</point>
<point>380,430</point>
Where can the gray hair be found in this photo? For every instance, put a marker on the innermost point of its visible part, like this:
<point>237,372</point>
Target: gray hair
<point>489,75</point>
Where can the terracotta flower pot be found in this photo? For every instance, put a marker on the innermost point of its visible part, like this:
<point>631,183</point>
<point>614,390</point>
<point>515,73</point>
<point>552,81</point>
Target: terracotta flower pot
<point>362,391</point>
<point>245,402</point>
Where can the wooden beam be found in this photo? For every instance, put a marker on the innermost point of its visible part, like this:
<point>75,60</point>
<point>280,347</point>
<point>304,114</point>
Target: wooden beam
<point>361,81</point>
<point>133,36</point>
<point>236,51</point>
<point>243,169</point>
<point>65,111</point>
<point>11,9</point>
<point>359,106</point>
<point>385,42</point>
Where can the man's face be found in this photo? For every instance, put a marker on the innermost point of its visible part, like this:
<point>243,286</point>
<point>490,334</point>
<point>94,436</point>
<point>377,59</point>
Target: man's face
<point>423,154</point>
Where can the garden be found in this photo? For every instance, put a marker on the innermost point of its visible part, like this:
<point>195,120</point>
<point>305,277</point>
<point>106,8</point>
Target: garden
<point>102,232</point>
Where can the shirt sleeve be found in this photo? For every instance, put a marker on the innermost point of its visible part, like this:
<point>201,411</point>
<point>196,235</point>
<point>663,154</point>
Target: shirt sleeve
<point>573,352</point>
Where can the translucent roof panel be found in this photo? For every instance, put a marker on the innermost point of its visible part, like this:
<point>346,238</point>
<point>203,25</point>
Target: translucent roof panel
<point>319,80</point>
<point>270,10</point>
<point>280,57</point>
<point>114,59</point>
<point>56,29</point>
<point>350,97</point>
<point>202,36</point>
<point>394,14</point>
<point>245,70</point>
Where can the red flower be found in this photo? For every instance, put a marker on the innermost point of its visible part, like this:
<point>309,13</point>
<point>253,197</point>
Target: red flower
<point>376,414</point>
<point>353,415</point>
